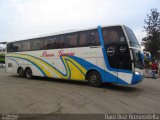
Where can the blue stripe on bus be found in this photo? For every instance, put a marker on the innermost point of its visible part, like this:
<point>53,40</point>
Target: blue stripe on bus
<point>106,76</point>
<point>14,61</point>
<point>136,79</point>
<point>32,63</point>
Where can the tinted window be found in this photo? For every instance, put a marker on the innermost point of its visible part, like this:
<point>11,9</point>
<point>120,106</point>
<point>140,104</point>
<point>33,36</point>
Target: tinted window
<point>117,48</point>
<point>48,43</point>
<point>131,36</point>
<point>14,47</point>
<point>51,43</point>
<point>89,38</point>
<point>56,42</point>
<point>114,35</point>
<point>36,44</point>
<point>63,42</point>
<point>25,45</point>
<point>73,40</point>
<point>17,47</point>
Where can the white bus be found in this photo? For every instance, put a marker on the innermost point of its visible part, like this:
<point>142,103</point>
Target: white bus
<point>103,54</point>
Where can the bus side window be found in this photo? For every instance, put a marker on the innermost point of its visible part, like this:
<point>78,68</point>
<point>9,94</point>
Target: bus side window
<point>55,43</point>
<point>106,37</point>
<point>51,42</point>
<point>89,38</point>
<point>16,47</point>
<point>66,39</point>
<point>73,40</point>
<point>48,43</point>
<point>82,41</point>
<point>110,36</point>
<point>97,39</point>
<point>114,37</point>
<point>62,42</point>
<point>25,45</point>
<point>36,44</point>
<point>92,38</point>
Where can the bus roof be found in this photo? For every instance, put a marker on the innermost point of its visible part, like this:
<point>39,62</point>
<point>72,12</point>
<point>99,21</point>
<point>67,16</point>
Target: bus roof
<point>64,32</point>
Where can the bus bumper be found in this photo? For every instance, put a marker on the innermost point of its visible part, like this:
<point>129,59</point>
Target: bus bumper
<point>137,78</point>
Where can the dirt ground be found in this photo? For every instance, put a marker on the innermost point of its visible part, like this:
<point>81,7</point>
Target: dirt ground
<point>49,96</point>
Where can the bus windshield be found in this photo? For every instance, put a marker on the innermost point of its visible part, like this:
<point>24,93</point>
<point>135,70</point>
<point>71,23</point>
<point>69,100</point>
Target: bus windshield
<point>132,38</point>
<point>137,60</point>
<point>136,53</point>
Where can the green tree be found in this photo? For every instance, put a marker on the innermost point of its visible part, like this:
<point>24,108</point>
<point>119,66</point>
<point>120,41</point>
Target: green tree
<point>152,28</point>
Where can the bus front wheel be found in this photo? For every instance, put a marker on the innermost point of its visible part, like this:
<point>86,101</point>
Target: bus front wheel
<point>94,79</point>
<point>28,73</point>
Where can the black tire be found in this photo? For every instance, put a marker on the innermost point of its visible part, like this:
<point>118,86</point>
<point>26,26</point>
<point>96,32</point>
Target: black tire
<point>28,73</point>
<point>94,79</point>
<point>20,72</point>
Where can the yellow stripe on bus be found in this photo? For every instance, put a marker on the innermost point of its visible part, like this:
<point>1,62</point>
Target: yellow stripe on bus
<point>73,69</point>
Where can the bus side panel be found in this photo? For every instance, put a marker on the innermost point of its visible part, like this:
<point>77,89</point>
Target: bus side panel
<point>35,70</point>
<point>9,66</point>
<point>57,63</point>
<point>65,67</point>
<point>12,64</point>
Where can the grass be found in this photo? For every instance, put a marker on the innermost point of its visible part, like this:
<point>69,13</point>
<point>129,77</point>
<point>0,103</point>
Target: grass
<point>2,58</point>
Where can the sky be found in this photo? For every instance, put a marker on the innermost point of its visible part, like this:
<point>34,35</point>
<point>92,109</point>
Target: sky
<point>23,19</point>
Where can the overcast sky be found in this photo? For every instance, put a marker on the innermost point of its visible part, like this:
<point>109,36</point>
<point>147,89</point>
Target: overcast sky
<point>21,19</point>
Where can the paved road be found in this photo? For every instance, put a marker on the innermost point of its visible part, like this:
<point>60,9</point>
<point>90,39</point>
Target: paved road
<point>20,95</point>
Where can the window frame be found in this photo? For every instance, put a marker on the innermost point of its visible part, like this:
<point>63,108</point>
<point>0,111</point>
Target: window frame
<point>59,38</point>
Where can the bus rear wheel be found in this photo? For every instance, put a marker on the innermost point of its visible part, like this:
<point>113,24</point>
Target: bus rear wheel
<point>94,79</point>
<point>28,73</point>
<point>20,72</point>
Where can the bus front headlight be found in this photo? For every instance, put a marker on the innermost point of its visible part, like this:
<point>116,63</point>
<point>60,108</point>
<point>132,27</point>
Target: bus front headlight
<point>137,73</point>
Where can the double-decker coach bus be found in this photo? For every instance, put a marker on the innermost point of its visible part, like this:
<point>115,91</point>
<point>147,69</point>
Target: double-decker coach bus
<point>103,54</point>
